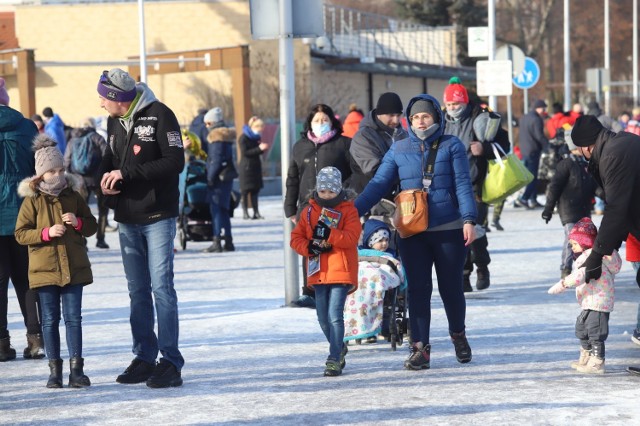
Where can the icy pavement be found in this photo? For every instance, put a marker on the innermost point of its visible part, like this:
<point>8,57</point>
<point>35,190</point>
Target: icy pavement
<point>251,361</point>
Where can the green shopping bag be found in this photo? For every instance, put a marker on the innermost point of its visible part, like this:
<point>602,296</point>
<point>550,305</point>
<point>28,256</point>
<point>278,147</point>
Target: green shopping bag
<point>506,174</point>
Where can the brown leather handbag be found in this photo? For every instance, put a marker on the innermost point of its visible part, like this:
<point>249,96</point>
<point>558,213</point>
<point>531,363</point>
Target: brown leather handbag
<point>412,212</point>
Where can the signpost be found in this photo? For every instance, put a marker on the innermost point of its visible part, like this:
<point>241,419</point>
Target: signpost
<point>527,79</point>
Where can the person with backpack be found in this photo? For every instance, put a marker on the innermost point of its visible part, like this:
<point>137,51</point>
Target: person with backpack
<point>83,157</point>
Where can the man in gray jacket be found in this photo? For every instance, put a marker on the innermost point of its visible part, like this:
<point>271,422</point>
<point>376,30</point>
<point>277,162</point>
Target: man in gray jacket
<point>378,130</point>
<point>532,142</point>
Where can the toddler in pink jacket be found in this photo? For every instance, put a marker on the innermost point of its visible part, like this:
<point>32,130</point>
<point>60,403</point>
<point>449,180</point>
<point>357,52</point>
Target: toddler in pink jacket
<point>595,297</point>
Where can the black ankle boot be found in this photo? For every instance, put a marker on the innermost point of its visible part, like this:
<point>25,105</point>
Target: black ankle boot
<point>55,378</point>
<point>257,215</point>
<point>483,281</point>
<point>215,246</point>
<point>228,244</point>
<point>245,214</point>
<point>35,347</point>
<point>7,353</point>
<point>77,378</point>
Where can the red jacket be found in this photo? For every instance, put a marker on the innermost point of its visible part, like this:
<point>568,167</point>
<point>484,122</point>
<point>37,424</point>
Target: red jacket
<point>351,123</point>
<point>633,249</point>
<point>340,265</point>
<point>556,121</point>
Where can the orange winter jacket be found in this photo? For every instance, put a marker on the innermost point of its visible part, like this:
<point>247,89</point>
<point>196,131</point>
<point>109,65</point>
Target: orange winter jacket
<point>633,249</point>
<point>340,265</point>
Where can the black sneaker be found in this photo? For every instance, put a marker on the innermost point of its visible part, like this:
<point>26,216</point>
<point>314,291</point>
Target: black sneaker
<point>137,372</point>
<point>419,359</point>
<point>496,224</point>
<point>102,244</point>
<point>461,345</point>
<point>165,375</point>
<point>332,368</point>
<point>343,354</point>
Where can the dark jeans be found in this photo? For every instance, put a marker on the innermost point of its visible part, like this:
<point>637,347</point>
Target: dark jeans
<point>14,265</point>
<point>532,162</point>
<point>103,211</point>
<point>71,297</point>
<point>592,328</point>
<point>219,204</point>
<point>330,300</point>
<point>445,250</point>
<point>479,253</point>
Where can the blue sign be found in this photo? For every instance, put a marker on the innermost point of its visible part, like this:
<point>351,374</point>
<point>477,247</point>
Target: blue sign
<point>529,75</point>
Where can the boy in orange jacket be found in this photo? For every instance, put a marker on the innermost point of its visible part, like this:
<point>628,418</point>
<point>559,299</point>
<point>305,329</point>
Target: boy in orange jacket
<point>327,236</point>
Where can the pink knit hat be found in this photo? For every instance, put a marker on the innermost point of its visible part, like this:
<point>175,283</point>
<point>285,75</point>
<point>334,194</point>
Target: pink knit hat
<point>4,96</point>
<point>584,233</point>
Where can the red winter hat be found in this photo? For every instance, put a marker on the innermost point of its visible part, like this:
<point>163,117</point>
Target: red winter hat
<point>455,91</point>
<point>584,233</point>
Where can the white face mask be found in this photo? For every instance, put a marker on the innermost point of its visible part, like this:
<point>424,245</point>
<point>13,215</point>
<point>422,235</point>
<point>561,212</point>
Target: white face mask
<point>320,129</point>
<point>424,134</point>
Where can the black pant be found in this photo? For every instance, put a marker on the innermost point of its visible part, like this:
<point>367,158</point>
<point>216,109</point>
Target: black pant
<point>103,211</point>
<point>14,265</point>
<point>479,253</point>
<point>592,328</point>
<point>250,199</point>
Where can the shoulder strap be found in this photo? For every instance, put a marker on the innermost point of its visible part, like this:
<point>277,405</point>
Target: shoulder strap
<point>427,173</point>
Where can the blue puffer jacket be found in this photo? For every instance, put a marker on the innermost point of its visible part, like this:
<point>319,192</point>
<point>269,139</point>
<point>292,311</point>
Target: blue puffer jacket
<point>450,194</point>
<point>16,163</point>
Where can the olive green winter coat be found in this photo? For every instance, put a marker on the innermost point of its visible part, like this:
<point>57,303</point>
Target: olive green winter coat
<point>62,260</point>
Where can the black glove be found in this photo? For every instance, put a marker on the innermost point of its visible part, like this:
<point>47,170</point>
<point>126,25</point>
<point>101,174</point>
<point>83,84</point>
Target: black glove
<point>593,267</point>
<point>321,231</point>
<point>546,215</point>
<point>315,248</point>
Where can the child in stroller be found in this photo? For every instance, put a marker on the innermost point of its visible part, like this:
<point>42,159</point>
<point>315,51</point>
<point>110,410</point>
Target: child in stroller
<point>195,217</point>
<point>377,306</point>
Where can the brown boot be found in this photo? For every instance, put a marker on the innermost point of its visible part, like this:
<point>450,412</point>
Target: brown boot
<point>35,347</point>
<point>594,365</point>
<point>582,361</point>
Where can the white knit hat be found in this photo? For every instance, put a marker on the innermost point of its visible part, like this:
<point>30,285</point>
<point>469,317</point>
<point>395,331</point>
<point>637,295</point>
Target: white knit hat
<point>47,155</point>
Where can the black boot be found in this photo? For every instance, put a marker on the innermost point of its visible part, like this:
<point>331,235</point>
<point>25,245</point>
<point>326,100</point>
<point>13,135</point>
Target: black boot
<point>35,347</point>
<point>461,345</point>
<point>215,246</point>
<point>245,214</point>
<point>55,378</point>
<point>483,278</point>
<point>77,378</point>
<point>7,353</point>
<point>228,244</point>
<point>466,283</point>
<point>257,215</point>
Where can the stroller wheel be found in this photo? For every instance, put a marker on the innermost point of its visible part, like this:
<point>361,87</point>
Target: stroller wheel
<point>358,341</point>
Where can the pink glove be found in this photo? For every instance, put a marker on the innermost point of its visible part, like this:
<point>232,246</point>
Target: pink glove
<point>557,288</point>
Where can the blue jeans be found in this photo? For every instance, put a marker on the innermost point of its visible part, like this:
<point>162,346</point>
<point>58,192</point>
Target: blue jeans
<point>147,255</point>
<point>50,297</point>
<point>219,206</point>
<point>532,162</point>
<point>567,253</point>
<point>445,250</point>
<point>330,300</point>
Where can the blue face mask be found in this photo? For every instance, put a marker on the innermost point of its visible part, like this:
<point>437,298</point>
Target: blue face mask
<point>320,129</point>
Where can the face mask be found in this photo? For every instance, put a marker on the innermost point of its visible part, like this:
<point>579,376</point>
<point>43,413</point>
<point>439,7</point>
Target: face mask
<point>424,134</point>
<point>456,113</point>
<point>320,129</point>
<point>257,132</point>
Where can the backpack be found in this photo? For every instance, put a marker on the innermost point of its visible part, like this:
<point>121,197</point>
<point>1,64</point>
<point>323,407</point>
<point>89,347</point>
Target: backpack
<point>86,156</point>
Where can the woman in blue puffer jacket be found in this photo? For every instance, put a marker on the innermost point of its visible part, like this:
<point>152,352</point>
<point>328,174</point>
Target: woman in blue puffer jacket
<point>452,215</point>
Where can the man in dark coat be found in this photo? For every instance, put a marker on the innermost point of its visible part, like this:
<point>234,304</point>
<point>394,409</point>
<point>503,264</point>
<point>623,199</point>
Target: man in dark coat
<point>461,119</point>
<point>532,142</point>
<point>613,162</point>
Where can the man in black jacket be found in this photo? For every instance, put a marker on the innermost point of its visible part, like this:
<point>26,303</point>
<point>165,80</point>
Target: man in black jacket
<point>461,120</point>
<point>532,142</point>
<point>613,162</point>
<point>142,162</point>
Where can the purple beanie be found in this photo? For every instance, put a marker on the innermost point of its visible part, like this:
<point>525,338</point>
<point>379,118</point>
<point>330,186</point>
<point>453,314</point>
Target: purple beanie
<point>117,85</point>
<point>4,96</point>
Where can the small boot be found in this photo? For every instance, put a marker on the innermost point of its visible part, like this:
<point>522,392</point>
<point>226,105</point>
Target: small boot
<point>228,244</point>
<point>582,361</point>
<point>7,353</point>
<point>483,281</point>
<point>77,378</point>
<point>466,283</point>
<point>594,365</point>
<point>35,347</point>
<point>55,378</point>
<point>215,246</point>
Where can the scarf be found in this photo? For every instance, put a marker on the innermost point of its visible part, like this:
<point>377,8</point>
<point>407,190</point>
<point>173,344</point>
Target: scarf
<point>332,202</point>
<point>53,186</point>
<point>322,139</point>
<point>250,133</point>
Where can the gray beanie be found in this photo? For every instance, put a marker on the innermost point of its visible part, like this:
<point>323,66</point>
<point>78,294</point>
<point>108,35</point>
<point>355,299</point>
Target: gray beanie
<point>48,156</point>
<point>214,115</point>
<point>425,106</point>
<point>329,178</point>
<point>117,85</point>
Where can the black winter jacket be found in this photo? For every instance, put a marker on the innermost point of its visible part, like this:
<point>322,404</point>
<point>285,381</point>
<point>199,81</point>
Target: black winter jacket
<point>307,160</point>
<point>150,157</point>
<point>614,165</point>
<point>250,164</point>
<point>532,138</point>
<point>572,188</point>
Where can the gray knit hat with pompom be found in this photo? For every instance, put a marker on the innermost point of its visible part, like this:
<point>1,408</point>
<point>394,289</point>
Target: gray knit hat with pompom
<point>48,157</point>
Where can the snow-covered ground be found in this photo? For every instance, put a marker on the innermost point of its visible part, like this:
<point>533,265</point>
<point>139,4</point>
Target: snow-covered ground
<point>249,360</point>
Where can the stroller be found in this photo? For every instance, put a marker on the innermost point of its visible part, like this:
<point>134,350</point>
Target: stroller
<point>379,305</point>
<point>194,222</point>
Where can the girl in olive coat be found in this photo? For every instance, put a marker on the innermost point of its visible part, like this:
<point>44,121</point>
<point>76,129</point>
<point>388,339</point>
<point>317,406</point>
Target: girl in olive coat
<point>53,221</point>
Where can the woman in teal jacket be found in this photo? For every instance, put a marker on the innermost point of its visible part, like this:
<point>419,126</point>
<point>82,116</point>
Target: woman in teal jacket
<point>452,215</point>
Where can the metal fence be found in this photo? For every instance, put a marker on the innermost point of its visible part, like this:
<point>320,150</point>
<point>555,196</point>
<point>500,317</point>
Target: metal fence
<point>357,34</point>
